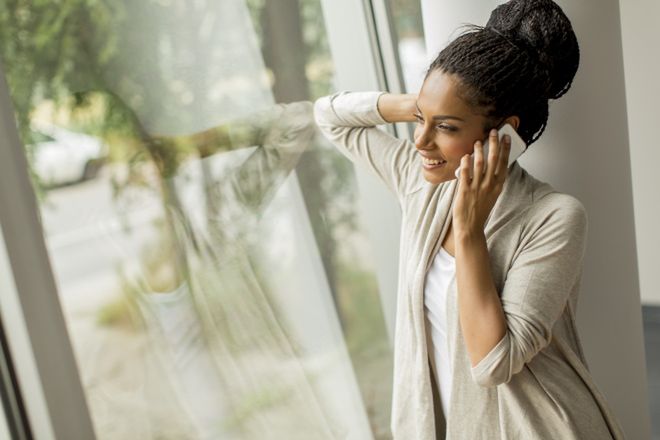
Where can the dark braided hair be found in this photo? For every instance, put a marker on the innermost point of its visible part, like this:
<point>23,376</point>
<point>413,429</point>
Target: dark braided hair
<point>525,55</point>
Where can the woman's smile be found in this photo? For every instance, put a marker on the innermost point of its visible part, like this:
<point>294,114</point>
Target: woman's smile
<point>441,143</point>
<point>431,164</point>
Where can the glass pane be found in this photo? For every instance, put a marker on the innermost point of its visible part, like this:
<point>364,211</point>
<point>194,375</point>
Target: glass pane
<point>408,27</point>
<point>204,238</point>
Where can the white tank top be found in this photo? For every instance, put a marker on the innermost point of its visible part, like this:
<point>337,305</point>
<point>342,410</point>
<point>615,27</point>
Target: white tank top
<point>438,279</point>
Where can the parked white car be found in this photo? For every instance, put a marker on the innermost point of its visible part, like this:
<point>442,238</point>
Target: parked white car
<point>63,156</point>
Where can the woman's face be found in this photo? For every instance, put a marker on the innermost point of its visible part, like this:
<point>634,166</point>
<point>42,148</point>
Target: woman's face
<point>446,127</point>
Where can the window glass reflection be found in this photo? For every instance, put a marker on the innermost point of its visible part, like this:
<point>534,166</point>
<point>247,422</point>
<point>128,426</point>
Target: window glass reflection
<point>408,27</point>
<point>212,271</point>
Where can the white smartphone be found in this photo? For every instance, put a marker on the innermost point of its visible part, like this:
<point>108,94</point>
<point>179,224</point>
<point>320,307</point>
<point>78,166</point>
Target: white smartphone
<point>518,147</point>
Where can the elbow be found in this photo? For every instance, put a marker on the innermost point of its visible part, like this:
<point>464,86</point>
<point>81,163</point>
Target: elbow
<point>297,118</point>
<point>490,379</point>
<point>504,361</point>
<point>326,119</point>
<point>321,108</point>
<point>304,125</point>
<point>293,129</point>
<point>329,124</point>
<point>496,367</point>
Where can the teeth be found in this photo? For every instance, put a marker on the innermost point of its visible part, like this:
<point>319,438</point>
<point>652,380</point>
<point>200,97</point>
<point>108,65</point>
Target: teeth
<point>432,161</point>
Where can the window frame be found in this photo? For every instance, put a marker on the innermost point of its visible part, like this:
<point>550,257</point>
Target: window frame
<point>49,379</point>
<point>34,323</point>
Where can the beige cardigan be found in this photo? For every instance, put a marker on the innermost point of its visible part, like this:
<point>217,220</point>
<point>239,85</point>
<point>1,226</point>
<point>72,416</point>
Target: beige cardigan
<point>535,383</point>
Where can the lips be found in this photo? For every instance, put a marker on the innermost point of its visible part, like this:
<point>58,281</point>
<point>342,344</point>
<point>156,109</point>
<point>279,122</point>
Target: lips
<point>432,162</point>
<point>427,156</point>
<point>432,165</point>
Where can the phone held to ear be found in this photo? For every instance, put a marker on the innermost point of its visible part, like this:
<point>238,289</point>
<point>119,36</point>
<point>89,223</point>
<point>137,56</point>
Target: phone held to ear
<point>518,147</point>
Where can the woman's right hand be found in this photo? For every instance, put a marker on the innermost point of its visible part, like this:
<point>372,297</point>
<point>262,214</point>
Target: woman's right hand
<point>398,107</point>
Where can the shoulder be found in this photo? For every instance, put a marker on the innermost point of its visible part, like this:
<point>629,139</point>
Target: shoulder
<point>559,204</point>
<point>547,204</point>
<point>556,213</point>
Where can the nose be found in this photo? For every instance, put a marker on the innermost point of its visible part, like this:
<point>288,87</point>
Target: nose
<point>422,140</point>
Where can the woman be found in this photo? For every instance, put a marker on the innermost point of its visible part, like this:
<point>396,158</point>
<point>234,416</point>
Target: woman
<point>486,345</point>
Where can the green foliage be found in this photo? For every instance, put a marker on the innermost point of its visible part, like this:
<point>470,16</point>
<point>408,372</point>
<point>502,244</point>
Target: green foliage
<point>360,304</point>
<point>320,70</point>
<point>407,17</point>
<point>117,313</point>
<point>45,49</point>
<point>55,50</point>
<point>268,397</point>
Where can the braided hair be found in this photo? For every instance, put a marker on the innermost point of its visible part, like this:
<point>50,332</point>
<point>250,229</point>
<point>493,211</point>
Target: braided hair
<point>525,55</point>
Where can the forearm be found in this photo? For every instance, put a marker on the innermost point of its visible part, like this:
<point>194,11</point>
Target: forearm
<point>397,107</point>
<point>351,120</point>
<point>480,309</point>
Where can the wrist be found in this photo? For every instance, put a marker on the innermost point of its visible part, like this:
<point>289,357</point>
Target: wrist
<point>468,236</point>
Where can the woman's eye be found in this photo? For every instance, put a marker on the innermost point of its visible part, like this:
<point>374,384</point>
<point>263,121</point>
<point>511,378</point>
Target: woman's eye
<point>420,120</point>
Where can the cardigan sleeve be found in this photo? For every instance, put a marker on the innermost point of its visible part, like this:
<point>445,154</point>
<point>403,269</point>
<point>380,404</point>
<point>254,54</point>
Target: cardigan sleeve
<point>536,289</point>
<point>349,120</point>
<point>286,134</point>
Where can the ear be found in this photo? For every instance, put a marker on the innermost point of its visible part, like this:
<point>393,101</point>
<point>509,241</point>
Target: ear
<point>514,121</point>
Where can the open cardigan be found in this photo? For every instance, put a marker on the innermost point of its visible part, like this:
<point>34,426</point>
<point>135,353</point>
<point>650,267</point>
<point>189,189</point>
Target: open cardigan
<point>535,383</point>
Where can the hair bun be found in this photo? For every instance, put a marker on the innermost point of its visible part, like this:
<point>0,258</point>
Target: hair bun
<point>541,28</point>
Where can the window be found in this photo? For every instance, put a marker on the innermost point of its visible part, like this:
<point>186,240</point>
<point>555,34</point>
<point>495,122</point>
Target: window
<point>408,26</point>
<point>213,276</point>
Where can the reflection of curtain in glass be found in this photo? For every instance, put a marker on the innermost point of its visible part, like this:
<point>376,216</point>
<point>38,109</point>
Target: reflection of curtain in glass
<point>259,285</point>
<point>184,67</point>
<point>181,68</point>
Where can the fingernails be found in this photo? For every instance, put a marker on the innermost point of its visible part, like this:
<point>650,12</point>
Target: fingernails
<point>493,132</point>
<point>507,138</point>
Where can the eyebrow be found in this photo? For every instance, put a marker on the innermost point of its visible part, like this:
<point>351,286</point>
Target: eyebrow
<point>440,117</point>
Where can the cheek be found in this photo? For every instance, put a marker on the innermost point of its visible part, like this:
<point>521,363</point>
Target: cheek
<point>455,148</point>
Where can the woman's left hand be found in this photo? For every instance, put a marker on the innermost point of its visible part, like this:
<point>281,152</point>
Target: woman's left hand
<point>477,195</point>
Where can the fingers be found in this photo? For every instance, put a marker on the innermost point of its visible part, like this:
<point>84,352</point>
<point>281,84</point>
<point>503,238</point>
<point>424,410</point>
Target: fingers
<point>502,167</point>
<point>478,164</point>
<point>493,150</point>
<point>491,170</point>
<point>498,156</point>
<point>464,176</point>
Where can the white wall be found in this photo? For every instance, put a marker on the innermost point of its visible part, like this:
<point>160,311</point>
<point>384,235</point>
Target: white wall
<point>584,152</point>
<point>642,69</point>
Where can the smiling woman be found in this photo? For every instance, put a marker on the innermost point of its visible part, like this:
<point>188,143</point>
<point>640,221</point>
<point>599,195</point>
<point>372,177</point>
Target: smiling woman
<point>490,266</point>
<point>447,127</point>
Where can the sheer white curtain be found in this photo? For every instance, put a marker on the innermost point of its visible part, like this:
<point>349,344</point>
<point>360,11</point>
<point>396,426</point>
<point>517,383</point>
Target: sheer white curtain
<point>250,342</point>
<point>186,66</point>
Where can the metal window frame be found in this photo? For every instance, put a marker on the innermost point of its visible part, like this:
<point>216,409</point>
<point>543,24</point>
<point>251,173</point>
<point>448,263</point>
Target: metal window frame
<point>386,53</point>
<point>31,312</point>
